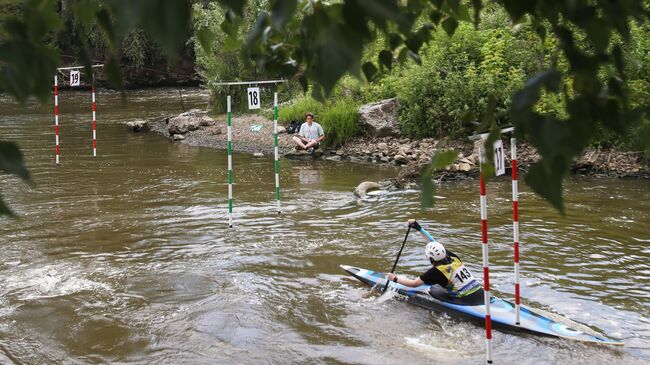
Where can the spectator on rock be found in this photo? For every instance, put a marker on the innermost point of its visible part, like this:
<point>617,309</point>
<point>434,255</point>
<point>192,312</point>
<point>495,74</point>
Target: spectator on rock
<point>310,134</point>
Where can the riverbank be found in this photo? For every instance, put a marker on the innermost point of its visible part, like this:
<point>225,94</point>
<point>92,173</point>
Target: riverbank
<point>254,134</point>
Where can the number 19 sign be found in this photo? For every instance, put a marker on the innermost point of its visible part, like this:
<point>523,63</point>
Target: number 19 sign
<point>253,97</point>
<point>74,78</point>
<point>499,158</point>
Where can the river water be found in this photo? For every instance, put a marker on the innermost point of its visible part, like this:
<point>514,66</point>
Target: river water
<point>127,258</point>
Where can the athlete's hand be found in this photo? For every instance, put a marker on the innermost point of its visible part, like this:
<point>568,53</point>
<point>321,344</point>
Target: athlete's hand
<point>414,224</point>
<point>391,276</point>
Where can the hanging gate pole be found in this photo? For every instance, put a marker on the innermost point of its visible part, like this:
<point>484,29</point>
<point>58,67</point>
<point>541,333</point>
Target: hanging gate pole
<point>56,117</point>
<point>94,123</point>
<point>515,225</point>
<point>277,162</point>
<point>486,260</point>
<point>229,163</point>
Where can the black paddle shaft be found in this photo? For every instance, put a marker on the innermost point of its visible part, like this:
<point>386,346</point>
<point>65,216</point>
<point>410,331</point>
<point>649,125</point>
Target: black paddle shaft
<point>398,255</point>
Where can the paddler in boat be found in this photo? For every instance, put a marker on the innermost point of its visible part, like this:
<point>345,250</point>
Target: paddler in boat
<point>456,283</point>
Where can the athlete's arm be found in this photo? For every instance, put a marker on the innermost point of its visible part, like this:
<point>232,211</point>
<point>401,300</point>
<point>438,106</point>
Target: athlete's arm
<point>405,281</point>
<point>414,224</point>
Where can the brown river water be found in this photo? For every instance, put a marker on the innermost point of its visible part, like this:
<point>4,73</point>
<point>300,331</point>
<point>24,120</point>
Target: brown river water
<point>127,258</point>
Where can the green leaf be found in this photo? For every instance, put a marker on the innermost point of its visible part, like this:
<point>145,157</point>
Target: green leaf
<point>112,69</point>
<point>395,40</point>
<point>85,11</point>
<point>4,209</point>
<point>12,161</point>
<point>255,35</point>
<point>518,8</point>
<point>386,58</point>
<point>282,11</point>
<point>369,70</point>
<point>104,22</point>
<point>599,34</point>
<point>450,25</point>
<point>206,38</point>
<point>477,5</point>
<point>237,6</point>
<point>336,51</point>
<point>442,159</point>
<point>435,17</point>
<point>547,183</point>
<point>27,68</point>
<point>167,22</point>
<point>381,12</point>
<point>527,97</point>
<point>304,82</point>
<point>439,160</point>
<point>454,5</point>
<point>231,44</point>
<point>619,61</point>
<point>428,189</point>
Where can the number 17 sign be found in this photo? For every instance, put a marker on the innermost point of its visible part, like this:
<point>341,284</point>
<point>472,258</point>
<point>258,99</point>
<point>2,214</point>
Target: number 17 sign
<point>499,158</point>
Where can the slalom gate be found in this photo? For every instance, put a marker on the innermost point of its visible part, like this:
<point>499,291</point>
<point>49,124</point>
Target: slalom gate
<point>499,164</point>
<point>74,81</point>
<point>254,100</point>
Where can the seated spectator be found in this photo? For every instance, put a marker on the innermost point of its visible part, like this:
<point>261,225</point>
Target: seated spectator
<point>310,134</point>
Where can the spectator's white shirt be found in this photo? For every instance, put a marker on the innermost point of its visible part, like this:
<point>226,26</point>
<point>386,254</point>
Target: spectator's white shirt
<point>311,132</point>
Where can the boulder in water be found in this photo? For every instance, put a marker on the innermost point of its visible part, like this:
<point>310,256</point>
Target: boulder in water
<point>189,121</point>
<point>365,187</point>
<point>138,125</point>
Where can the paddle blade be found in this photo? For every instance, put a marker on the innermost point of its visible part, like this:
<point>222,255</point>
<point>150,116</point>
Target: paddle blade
<point>388,294</point>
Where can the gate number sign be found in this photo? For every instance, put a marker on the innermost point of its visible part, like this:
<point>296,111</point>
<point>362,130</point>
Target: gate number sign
<point>499,158</point>
<point>74,78</point>
<point>253,97</point>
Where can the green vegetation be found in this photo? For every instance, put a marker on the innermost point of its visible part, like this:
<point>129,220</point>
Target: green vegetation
<point>566,73</point>
<point>460,76</point>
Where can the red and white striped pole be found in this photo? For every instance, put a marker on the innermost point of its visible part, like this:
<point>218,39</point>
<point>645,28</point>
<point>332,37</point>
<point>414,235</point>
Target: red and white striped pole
<point>486,261</point>
<point>515,224</point>
<point>94,120</point>
<point>56,116</point>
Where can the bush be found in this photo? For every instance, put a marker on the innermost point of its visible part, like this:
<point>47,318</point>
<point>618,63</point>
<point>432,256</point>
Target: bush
<point>458,76</point>
<point>340,122</point>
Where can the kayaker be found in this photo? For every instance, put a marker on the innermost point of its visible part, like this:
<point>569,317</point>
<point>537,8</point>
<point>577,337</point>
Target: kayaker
<point>448,272</point>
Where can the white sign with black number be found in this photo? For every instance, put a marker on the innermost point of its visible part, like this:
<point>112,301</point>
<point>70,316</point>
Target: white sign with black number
<point>499,158</point>
<point>75,78</point>
<point>253,97</point>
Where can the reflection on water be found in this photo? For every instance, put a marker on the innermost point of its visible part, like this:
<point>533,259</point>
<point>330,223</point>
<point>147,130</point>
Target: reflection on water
<point>128,258</point>
<point>308,173</point>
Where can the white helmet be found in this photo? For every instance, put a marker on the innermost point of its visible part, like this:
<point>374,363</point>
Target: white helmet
<point>435,251</point>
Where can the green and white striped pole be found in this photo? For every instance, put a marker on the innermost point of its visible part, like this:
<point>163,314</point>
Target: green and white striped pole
<point>229,163</point>
<point>277,162</point>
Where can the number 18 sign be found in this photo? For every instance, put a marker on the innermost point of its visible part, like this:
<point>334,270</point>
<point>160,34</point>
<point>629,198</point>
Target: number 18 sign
<point>253,97</point>
<point>74,78</point>
<point>499,158</point>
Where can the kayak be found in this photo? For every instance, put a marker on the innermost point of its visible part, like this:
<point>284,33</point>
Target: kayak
<point>502,311</point>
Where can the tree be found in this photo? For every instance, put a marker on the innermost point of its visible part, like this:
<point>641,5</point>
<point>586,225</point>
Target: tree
<point>318,42</point>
